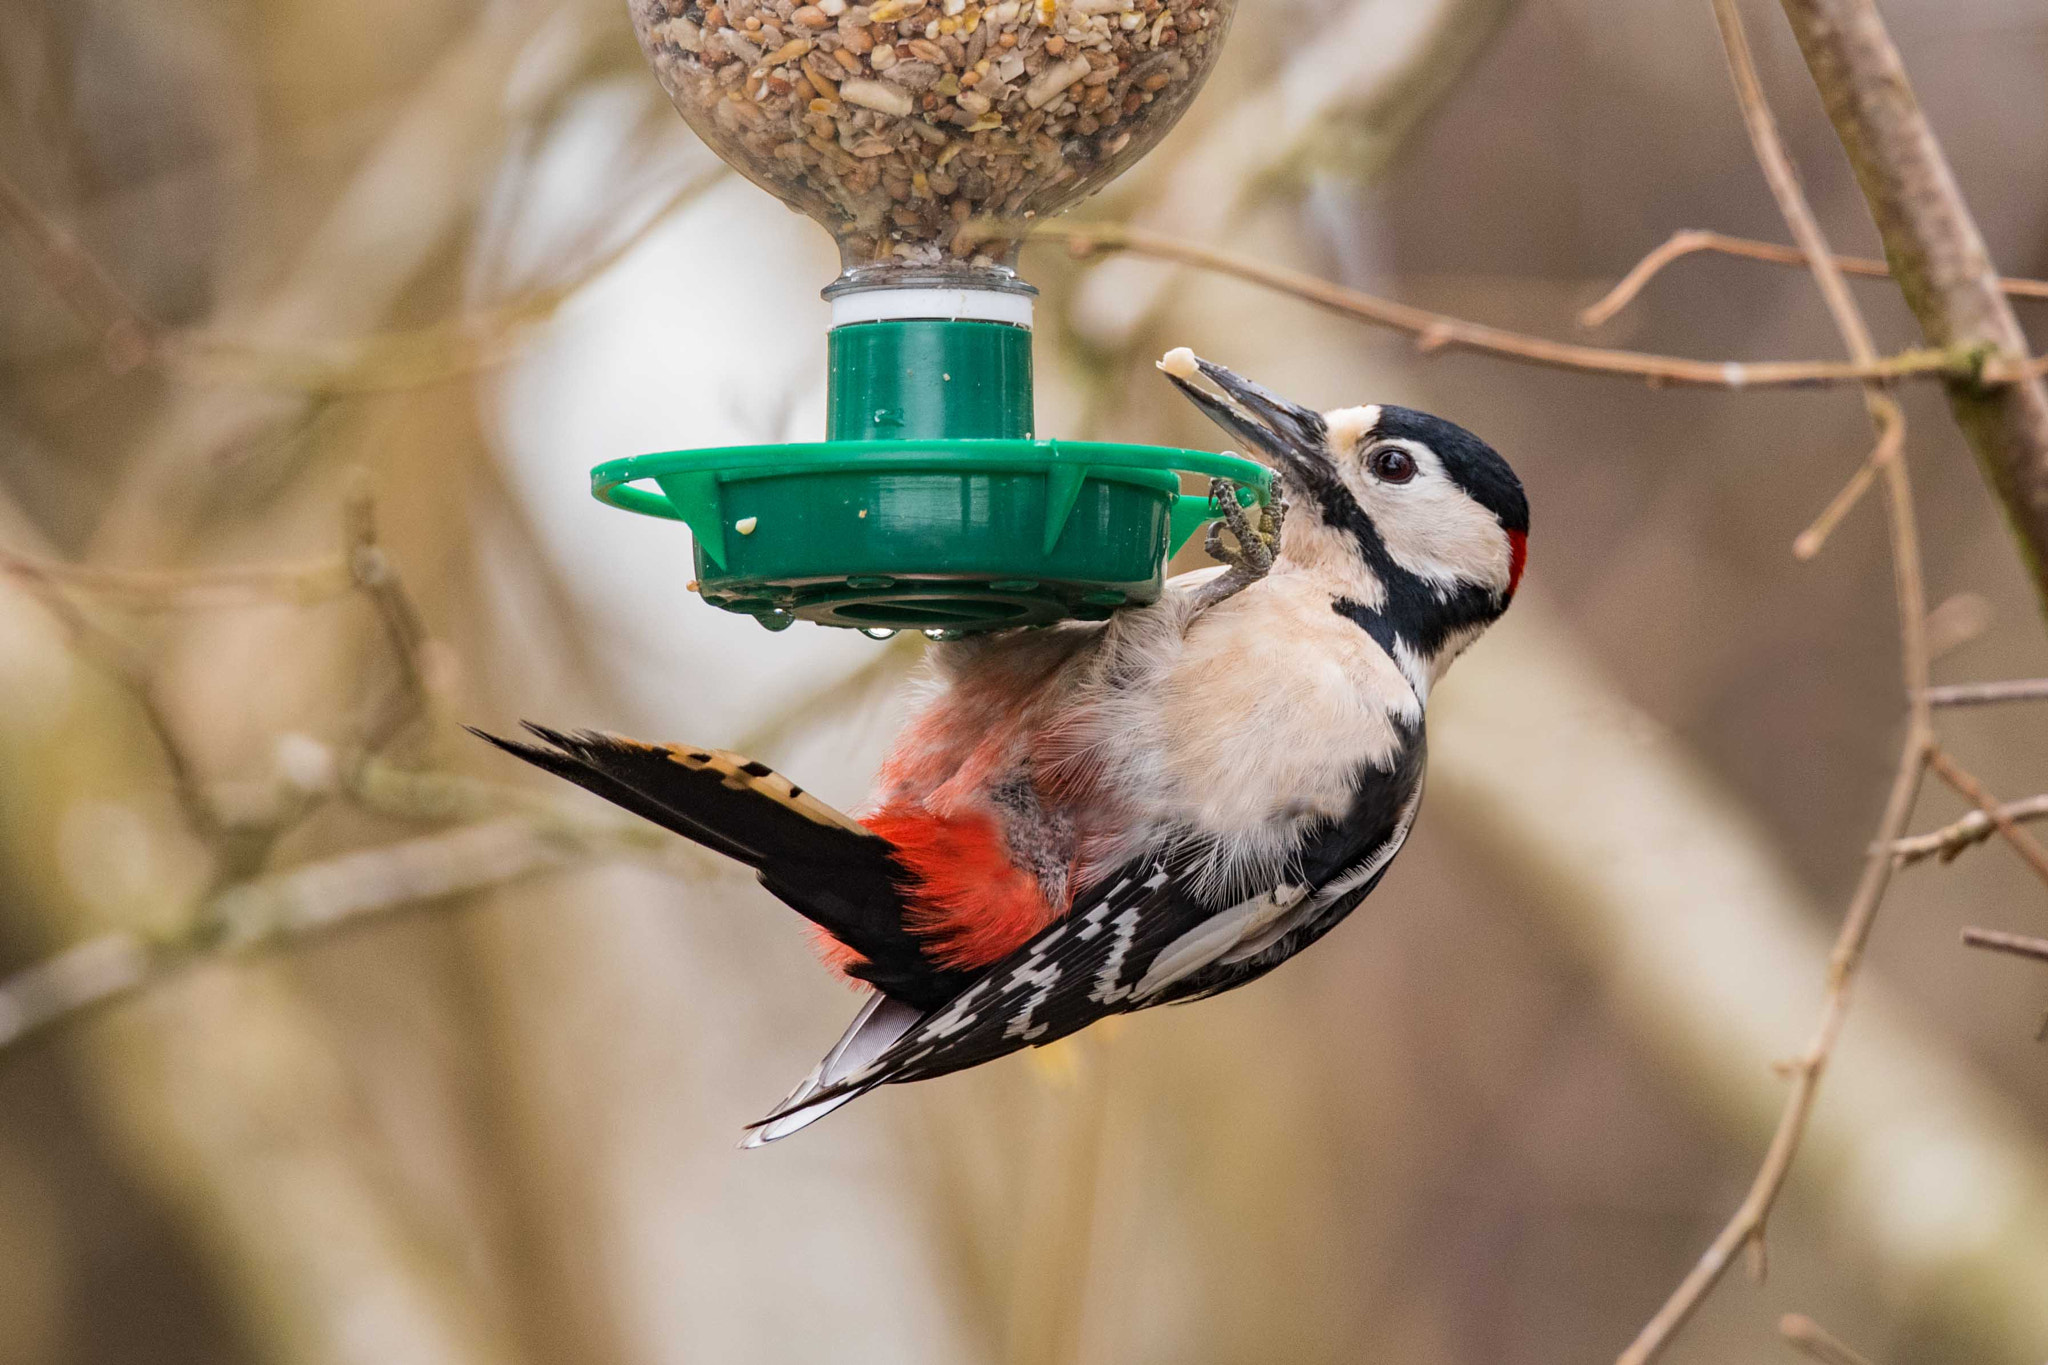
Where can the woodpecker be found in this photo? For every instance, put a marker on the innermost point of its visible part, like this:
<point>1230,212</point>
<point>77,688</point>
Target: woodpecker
<point>1094,818</point>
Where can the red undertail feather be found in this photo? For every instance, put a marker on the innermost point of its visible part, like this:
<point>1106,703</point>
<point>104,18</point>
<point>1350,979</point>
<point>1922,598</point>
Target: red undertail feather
<point>837,956</point>
<point>1518,558</point>
<point>969,902</point>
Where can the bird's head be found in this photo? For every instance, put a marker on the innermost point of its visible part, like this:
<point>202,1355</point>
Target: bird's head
<point>1418,526</point>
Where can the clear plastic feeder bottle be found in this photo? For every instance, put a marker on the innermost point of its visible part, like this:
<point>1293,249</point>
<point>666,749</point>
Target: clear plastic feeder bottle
<point>926,136</point>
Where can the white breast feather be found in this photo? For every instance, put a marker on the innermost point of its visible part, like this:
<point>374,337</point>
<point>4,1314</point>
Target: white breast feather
<point>1242,726</point>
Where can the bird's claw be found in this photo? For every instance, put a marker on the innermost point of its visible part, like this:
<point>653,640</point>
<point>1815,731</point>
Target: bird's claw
<point>1257,545</point>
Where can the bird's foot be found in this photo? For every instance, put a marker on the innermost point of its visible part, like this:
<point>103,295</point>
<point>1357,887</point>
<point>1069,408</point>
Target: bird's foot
<point>1258,545</point>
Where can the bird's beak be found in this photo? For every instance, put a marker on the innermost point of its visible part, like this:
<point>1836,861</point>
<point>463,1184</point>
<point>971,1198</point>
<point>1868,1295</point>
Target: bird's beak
<point>1288,435</point>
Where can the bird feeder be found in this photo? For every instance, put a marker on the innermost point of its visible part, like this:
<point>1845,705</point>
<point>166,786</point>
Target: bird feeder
<point>925,135</point>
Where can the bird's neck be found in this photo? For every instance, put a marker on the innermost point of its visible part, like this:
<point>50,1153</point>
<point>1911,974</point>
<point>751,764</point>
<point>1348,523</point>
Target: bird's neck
<point>1421,626</point>
<point>1422,623</point>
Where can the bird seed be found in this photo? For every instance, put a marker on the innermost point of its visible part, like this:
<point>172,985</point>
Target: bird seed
<point>898,123</point>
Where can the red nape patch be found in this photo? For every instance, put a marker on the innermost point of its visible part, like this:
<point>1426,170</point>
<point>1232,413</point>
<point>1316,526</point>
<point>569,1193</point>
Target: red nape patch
<point>968,900</point>
<point>1518,557</point>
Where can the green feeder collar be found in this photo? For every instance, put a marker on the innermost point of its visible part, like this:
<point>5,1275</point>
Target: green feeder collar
<point>931,508</point>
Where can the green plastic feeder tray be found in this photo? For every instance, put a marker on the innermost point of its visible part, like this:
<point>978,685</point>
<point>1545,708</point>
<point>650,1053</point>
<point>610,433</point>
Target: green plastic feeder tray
<point>932,508</point>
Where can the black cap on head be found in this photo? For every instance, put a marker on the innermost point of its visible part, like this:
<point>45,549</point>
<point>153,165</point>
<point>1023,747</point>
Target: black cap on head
<point>1474,465</point>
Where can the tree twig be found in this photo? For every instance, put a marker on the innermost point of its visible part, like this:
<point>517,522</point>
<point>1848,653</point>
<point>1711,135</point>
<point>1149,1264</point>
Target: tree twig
<point>1998,941</point>
<point>1815,1342</point>
<point>1435,332</point>
<point>1746,1228</point>
<point>1687,241</point>
<point>375,363</point>
<point>373,573</point>
<point>384,361</point>
<point>121,661</point>
<point>1970,789</point>
<point>127,336</point>
<point>1988,693</point>
<point>1936,252</point>
<point>189,589</point>
<point>1974,828</point>
<point>330,894</point>
<point>1891,438</point>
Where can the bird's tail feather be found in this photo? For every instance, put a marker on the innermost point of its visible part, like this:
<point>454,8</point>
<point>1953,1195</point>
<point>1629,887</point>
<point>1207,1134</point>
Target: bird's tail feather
<point>881,1022</point>
<point>827,866</point>
<point>725,801</point>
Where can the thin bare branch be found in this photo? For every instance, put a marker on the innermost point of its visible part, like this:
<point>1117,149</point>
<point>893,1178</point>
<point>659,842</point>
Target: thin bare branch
<point>1988,693</point>
<point>373,572</point>
<point>1815,1342</point>
<point>1973,829</point>
<point>1890,441</point>
<point>1436,332</point>
<point>538,835</point>
<point>127,336</point>
<point>1783,178</point>
<point>384,361</point>
<point>1970,789</point>
<point>501,833</point>
<point>1943,267</point>
<point>1998,941</point>
<point>304,583</point>
<point>121,661</point>
<point>1745,1230</point>
<point>371,364</point>
<point>1688,241</point>
<point>75,979</point>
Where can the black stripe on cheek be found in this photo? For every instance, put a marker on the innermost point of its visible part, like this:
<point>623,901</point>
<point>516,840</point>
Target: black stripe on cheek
<point>1369,621</point>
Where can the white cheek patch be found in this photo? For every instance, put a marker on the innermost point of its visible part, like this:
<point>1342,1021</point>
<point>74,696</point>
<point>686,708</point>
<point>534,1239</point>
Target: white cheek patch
<point>1430,526</point>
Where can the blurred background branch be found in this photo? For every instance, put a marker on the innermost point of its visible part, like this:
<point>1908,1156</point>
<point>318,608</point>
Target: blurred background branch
<point>1816,1342</point>
<point>2020,945</point>
<point>1746,1230</point>
<point>1687,241</point>
<point>1936,251</point>
<point>1437,331</point>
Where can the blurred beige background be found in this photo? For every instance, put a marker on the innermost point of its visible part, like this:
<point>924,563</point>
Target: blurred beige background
<point>450,255</point>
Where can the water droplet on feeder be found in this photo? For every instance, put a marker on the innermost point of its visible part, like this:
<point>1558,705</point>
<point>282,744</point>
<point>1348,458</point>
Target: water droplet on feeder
<point>878,632</point>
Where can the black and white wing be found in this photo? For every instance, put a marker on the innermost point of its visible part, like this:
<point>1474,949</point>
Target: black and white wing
<point>1091,964</point>
<point>1143,937</point>
<point>1342,864</point>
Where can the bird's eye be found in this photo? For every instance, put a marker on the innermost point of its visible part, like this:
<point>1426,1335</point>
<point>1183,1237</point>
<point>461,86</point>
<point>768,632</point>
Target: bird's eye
<point>1391,464</point>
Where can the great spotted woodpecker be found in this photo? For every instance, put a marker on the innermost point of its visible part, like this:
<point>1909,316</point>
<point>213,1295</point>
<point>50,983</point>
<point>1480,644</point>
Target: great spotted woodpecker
<point>1091,819</point>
